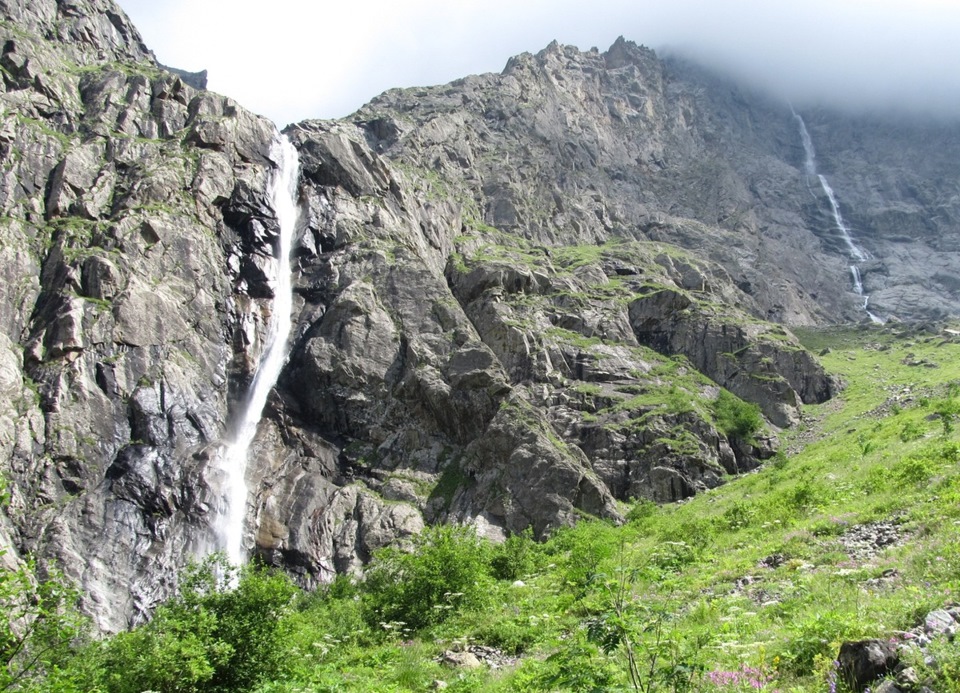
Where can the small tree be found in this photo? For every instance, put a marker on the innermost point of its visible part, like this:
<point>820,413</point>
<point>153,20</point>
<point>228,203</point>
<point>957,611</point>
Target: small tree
<point>41,628</point>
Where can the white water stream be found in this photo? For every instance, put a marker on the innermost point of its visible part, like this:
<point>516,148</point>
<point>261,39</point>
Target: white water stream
<point>854,252</point>
<point>283,194</point>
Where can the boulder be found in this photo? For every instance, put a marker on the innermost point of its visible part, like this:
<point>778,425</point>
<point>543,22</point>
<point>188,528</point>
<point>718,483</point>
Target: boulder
<point>864,661</point>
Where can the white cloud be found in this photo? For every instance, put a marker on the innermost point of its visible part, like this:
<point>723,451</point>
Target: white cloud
<point>308,59</point>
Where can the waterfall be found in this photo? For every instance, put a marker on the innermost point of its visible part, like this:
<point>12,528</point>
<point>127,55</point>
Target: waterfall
<point>853,249</point>
<point>854,252</point>
<point>809,163</point>
<point>283,194</point>
<point>857,281</point>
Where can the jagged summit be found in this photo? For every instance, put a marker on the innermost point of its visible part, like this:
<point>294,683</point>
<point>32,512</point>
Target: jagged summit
<point>517,297</point>
<point>662,150</point>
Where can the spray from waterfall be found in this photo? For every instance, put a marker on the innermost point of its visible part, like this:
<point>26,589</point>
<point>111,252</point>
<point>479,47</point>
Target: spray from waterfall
<point>283,194</point>
<point>855,253</point>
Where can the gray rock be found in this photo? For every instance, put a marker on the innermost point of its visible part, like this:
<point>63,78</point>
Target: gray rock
<point>938,622</point>
<point>464,660</point>
<point>865,661</point>
<point>908,678</point>
<point>887,687</point>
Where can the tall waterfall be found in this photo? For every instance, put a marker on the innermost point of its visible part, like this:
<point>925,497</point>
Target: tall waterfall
<point>855,253</point>
<point>283,194</point>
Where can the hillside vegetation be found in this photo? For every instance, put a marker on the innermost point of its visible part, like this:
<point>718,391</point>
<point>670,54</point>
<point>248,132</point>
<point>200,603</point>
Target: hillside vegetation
<point>852,531</point>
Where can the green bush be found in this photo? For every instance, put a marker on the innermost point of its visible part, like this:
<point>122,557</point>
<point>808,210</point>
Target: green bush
<point>581,551</point>
<point>222,632</point>
<point>41,630</point>
<point>736,418</point>
<point>513,636</point>
<point>739,515</point>
<point>641,510</point>
<point>446,572</point>
<point>577,667</point>
<point>516,557</point>
<point>914,469</point>
<point>911,430</point>
<point>812,636</point>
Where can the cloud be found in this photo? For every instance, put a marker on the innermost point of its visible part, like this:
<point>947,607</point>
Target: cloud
<point>291,59</point>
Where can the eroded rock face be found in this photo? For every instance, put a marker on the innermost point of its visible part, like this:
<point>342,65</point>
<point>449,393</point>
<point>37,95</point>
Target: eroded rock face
<point>119,306</point>
<point>759,362</point>
<point>516,300</point>
<point>568,147</point>
<point>138,246</point>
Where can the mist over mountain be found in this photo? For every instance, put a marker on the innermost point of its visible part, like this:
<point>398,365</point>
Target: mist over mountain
<point>883,54</point>
<point>517,298</point>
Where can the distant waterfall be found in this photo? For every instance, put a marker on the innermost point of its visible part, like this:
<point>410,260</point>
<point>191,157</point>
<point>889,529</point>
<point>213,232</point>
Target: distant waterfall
<point>854,252</point>
<point>283,194</point>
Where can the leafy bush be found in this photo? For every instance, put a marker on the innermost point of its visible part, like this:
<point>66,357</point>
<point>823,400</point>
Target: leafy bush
<point>736,418</point>
<point>739,515</point>
<point>673,555</point>
<point>516,557</point>
<point>583,549</point>
<point>807,495</point>
<point>914,470</point>
<point>698,532</point>
<point>911,430</point>
<point>641,510</point>
<point>41,629</point>
<point>446,572</point>
<point>812,636</point>
<point>578,666</point>
<point>222,632</point>
<point>513,636</point>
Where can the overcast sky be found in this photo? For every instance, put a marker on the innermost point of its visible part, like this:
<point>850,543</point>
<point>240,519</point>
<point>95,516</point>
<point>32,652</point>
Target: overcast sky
<point>297,59</point>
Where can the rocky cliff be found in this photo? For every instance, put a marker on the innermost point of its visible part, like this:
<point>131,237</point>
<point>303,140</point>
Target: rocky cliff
<point>517,297</point>
<point>566,146</point>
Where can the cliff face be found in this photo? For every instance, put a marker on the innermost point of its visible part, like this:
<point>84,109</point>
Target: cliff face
<point>123,299</point>
<point>516,298</point>
<point>566,146</point>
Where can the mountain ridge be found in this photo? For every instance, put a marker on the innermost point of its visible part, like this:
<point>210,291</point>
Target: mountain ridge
<point>518,298</point>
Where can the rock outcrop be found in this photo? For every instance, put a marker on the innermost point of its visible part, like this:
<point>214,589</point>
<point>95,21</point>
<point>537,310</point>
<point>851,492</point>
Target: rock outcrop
<point>517,299</point>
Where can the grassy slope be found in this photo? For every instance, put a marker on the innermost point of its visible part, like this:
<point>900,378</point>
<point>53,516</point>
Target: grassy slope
<point>694,573</point>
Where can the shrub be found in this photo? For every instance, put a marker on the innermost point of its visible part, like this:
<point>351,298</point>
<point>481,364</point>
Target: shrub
<point>914,470</point>
<point>446,572</point>
<point>948,410</point>
<point>812,636</point>
<point>513,636</point>
<point>641,510</point>
<point>41,629</point>
<point>911,431</point>
<point>583,549</point>
<point>807,495</point>
<point>516,557</point>
<point>221,632</point>
<point>736,418</point>
<point>739,515</point>
<point>673,555</point>
<point>577,666</point>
